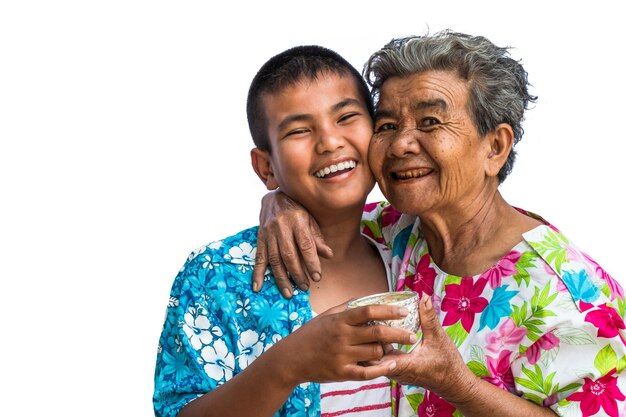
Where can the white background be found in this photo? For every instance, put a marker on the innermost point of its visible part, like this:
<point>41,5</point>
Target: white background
<point>124,145</point>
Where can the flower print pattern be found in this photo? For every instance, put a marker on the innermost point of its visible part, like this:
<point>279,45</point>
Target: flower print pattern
<point>550,322</point>
<point>498,307</point>
<point>249,347</point>
<point>434,406</point>
<point>423,280</point>
<point>243,307</point>
<point>197,328</point>
<point>270,314</point>
<point>505,267</point>
<point>500,371</point>
<point>207,262</point>
<point>219,362</point>
<point>607,320</point>
<point>615,289</point>
<point>243,255</point>
<point>546,342</point>
<point>463,301</point>
<point>507,335</point>
<point>211,332</point>
<point>600,393</point>
<point>580,286</point>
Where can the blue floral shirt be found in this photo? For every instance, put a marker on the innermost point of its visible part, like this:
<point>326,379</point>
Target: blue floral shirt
<point>216,326</point>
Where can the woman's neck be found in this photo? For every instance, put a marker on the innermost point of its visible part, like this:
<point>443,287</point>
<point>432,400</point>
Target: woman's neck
<point>468,240</point>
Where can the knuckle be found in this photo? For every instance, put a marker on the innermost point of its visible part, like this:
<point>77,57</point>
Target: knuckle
<point>368,312</point>
<point>360,373</point>
<point>288,254</point>
<point>260,259</point>
<point>275,259</point>
<point>377,351</point>
<point>306,243</point>
<point>377,332</point>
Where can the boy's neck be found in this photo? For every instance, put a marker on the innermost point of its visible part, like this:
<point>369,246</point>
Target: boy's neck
<point>342,232</point>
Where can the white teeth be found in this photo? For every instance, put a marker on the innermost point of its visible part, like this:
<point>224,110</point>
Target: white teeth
<point>334,168</point>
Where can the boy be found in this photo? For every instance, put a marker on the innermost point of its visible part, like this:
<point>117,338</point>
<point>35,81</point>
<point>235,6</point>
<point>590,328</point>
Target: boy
<point>309,114</point>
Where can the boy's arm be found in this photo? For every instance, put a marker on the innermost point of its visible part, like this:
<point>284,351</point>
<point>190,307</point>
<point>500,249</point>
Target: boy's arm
<point>328,348</point>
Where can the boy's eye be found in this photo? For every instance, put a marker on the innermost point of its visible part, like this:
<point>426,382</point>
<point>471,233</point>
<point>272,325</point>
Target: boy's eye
<point>346,117</point>
<point>296,132</point>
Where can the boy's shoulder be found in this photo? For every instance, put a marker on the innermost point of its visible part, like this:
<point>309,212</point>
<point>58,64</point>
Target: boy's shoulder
<point>239,248</point>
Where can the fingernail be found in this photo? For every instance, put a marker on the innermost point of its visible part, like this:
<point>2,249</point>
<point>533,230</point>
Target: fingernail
<point>286,292</point>
<point>392,365</point>
<point>316,276</point>
<point>428,302</point>
<point>403,311</point>
<point>413,339</point>
<point>304,287</point>
<point>255,287</point>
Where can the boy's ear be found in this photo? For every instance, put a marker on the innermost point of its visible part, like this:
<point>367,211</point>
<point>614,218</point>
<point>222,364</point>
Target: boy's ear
<point>500,145</point>
<point>262,165</point>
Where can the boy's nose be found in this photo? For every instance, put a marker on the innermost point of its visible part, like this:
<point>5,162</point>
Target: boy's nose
<point>329,140</point>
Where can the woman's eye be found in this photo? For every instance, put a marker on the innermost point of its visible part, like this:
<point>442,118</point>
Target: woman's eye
<point>429,122</point>
<point>385,127</point>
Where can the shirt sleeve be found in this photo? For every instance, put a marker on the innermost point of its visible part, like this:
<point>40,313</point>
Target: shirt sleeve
<point>575,368</point>
<point>195,351</point>
<point>380,221</point>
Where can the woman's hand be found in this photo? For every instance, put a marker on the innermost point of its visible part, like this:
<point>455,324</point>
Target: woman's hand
<point>434,364</point>
<point>289,240</point>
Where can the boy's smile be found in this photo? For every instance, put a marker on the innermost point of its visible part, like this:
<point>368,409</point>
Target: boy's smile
<point>320,132</point>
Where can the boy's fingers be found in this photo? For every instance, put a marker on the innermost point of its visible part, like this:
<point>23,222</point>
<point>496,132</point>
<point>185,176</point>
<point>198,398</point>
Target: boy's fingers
<point>362,315</point>
<point>363,373</point>
<point>382,333</point>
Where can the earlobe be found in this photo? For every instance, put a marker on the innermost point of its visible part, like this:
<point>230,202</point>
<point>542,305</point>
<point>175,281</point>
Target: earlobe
<point>500,145</point>
<point>262,165</point>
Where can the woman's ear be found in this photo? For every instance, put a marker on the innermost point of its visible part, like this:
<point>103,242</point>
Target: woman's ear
<point>500,145</point>
<point>262,165</point>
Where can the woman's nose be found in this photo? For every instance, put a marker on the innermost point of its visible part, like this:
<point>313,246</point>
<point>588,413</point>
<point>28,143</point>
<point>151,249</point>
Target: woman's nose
<point>404,142</point>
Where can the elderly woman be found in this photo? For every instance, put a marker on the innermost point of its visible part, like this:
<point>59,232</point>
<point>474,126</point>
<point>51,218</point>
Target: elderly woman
<point>509,305</point>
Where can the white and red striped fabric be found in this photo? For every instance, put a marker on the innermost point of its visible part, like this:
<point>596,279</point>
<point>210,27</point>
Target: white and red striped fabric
<point>356,398</point>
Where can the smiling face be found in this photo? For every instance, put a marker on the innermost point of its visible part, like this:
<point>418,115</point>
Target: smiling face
<point>319,132</point>
<point>426,153</point>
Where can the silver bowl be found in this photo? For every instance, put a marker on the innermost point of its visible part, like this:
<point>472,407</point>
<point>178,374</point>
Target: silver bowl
<point>406,299</point>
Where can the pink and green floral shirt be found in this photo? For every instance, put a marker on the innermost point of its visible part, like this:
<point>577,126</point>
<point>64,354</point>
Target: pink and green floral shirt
<point>545,322</point>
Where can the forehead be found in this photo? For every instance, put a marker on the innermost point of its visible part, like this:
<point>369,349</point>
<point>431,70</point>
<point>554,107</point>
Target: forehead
<point>310,96</point>
<point>411,92</point>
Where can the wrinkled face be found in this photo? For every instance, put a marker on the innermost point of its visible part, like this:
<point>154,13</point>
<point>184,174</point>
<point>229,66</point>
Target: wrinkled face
<point>426,153</point>
<point>320,132</point>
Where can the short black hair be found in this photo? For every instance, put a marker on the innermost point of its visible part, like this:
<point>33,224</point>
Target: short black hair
<point>288,68</point>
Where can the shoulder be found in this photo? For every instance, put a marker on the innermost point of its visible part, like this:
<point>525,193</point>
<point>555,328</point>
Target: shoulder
<point>239,248</point>
<point>382,222</point>
<point>583,277</point>
<point>222,263</point>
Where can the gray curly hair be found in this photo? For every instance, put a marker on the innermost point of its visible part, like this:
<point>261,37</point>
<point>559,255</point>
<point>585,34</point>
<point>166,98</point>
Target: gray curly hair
<point>498,84</point>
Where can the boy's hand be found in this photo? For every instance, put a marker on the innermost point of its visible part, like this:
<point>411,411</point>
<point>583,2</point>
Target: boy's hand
<point>334,346</point>
<point>288,237</point>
